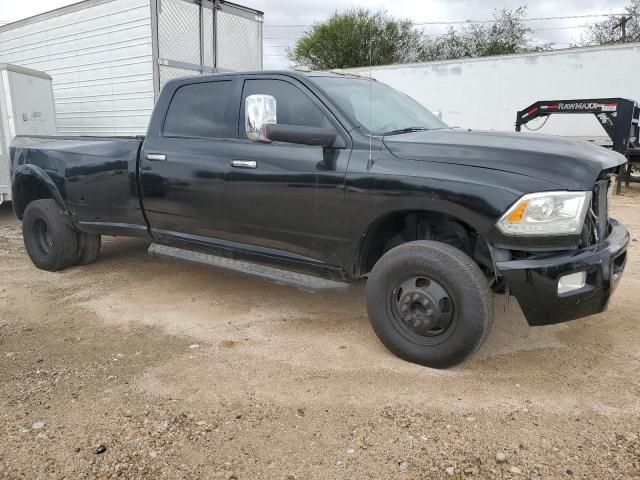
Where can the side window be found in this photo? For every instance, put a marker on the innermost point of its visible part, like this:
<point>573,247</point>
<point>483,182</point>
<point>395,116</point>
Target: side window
<point>198,110</point>
<point>293,107</point>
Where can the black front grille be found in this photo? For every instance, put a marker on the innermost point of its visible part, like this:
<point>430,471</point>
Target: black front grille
<point>600,207</point>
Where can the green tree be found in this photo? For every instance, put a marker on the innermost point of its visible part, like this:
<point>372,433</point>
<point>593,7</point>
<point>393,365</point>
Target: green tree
<point>358,38</point>
<point>507,34</point>
<point>611,30</point>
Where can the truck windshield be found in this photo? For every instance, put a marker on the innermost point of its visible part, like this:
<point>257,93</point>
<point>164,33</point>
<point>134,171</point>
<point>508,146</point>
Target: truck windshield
<point>377,107</point>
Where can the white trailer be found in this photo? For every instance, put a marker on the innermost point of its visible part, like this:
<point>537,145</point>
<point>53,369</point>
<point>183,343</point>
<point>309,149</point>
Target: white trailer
<point>485,93</point>
<point>26,108</point>
<point>109,58</point>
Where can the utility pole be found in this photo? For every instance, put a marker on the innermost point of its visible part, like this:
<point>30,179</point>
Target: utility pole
<point>623,26</point>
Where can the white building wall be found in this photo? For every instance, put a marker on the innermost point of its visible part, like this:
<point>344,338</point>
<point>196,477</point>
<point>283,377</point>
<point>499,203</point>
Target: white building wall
<point>100,59</point>
<point>486,93</point>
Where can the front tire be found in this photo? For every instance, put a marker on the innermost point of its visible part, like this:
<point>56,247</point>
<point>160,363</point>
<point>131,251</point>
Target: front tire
<point>429,303</point>
<point>50,240</point>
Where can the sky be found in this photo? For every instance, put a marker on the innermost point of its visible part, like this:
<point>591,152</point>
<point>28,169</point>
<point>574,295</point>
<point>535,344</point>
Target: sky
<point>280,14</point>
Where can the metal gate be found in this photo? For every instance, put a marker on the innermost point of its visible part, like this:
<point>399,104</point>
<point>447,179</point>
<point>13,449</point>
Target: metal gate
<point>193,37</point>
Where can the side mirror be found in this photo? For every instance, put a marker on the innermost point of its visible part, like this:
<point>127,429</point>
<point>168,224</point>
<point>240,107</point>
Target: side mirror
<point>259,111</point>
<point>313,136</point>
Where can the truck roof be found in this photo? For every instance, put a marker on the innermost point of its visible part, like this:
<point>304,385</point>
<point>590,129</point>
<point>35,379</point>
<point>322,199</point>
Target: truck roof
<point>290,73</point>
<point>306,73</point>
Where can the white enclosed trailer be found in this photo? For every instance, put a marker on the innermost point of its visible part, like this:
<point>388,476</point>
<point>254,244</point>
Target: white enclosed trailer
<point>26,108</point>
<point>485,93</point>
<point>109,58</point>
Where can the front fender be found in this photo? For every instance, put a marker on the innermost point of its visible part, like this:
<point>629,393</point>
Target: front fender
<point>27,185</point>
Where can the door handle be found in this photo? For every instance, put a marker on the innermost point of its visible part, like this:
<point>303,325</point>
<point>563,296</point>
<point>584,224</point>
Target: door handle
<point>156,157</point>
<point>244,164</point>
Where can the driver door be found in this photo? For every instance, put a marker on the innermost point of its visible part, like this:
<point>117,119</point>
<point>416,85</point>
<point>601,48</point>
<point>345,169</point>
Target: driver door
<point>283,196</point>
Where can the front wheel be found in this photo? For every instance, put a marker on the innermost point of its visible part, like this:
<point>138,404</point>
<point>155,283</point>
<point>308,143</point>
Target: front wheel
<point>429,303</point>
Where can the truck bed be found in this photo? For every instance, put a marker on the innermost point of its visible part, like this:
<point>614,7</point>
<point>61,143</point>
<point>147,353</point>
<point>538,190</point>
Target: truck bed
<point>96,177</point>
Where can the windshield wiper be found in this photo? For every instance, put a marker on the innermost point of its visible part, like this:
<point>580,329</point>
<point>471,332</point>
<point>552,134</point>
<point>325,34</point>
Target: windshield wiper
<point>405,130</point>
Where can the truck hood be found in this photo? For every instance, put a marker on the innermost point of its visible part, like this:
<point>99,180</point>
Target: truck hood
<point>570,164</point>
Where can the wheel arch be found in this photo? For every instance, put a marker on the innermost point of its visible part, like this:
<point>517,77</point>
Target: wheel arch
<point>396,227</point>
<point>32,183</point>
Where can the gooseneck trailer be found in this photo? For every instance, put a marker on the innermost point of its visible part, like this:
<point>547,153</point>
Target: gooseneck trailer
<point>618,117</point>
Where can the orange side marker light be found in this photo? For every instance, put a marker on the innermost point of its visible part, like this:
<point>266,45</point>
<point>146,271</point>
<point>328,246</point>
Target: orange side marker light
<point>518,213</point>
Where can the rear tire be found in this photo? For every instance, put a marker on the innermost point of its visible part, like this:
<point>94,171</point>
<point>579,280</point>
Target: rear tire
<point>88,248</point>
<point>429,303</point>
<point>50,240</point>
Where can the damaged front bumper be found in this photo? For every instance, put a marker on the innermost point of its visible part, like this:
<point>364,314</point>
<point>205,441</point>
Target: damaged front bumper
<point>534,282</point>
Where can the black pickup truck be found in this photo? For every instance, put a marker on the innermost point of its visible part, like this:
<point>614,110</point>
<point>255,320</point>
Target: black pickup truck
<point>319,179</point>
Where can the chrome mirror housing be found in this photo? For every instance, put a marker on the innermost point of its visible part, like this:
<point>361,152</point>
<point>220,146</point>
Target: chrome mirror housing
<point>259,111</point>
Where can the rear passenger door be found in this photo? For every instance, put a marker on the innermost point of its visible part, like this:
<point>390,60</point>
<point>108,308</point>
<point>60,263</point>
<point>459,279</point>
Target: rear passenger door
<point>183,165</point>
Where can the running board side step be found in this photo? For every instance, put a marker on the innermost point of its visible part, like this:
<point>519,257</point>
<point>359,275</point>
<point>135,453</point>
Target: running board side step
<point>308,283</point>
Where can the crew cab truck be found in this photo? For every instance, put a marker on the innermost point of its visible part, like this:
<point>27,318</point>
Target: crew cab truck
<point>319,179</point>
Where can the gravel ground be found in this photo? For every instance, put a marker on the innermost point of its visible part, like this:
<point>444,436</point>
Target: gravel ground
<point>141,368</point>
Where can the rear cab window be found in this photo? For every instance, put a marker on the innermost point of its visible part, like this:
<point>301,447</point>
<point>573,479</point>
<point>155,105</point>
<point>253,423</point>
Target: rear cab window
<point>200,110</point>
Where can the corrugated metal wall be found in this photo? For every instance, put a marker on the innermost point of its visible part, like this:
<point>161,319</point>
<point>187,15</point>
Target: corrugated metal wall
<point>101,62</point>
<point>109,58</point>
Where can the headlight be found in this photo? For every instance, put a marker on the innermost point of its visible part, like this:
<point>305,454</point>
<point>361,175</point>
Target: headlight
<point>546,213</point>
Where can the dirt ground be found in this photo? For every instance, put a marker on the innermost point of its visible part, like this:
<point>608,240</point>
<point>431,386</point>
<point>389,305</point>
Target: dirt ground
<point>182,372</point>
